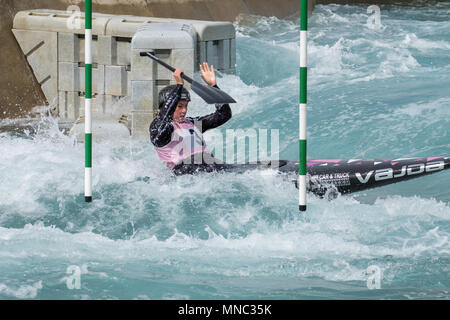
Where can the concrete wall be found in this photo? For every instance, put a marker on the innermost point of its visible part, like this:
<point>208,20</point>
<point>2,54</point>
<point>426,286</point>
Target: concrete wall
<point>369,2</point>
<point>19,89</point>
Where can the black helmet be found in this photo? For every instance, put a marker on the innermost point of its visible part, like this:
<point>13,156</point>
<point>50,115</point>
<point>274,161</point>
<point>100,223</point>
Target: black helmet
<point>166,91</point>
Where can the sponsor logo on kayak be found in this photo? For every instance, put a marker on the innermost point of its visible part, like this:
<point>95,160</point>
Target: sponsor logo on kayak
<point>406,170</point>
<point>336,179</point>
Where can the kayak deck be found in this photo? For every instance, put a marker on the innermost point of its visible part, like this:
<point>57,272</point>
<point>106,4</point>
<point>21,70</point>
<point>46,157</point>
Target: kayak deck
<point>352,175</point>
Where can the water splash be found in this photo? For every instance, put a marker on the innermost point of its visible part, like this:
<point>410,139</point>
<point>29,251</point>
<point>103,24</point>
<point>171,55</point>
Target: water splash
<point>150,235</point>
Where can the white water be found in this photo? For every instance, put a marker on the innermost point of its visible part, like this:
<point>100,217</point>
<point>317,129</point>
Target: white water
<point>372,93</point>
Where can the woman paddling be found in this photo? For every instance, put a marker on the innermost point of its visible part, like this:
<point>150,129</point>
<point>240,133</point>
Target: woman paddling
<point>178,139</point>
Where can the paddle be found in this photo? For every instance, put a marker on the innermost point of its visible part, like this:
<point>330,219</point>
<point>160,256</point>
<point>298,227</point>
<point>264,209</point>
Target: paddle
<point>207,93</point>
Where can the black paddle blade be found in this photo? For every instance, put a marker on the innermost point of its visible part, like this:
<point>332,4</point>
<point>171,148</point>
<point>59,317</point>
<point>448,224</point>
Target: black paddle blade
<point>211,94</point>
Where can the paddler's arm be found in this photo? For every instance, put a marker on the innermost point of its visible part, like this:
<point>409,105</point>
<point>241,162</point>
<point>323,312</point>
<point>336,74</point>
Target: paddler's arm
<point>161,128</point>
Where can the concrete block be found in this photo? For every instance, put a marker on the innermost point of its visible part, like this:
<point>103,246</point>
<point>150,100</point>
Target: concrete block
<point>99,105</point>
<point>212,53</point>
<point>69,105</point>
<point>124,26</point>
<point>140,122</point>
<point>68,47</point>
<point>143,95</point>
<point>201,54</point>
<point>220,53</point>
<point>233,53</point>
<point>230,71</point>
<point>209,31</point>
<point>41,51</point>
<point>123,51</point>
<point>128,82</point>
<point>94,49</point>
<point>116,80</point>
<point>72,105</point>
<point>184,59</point>
<point>98,79</point>
<point>164,35</point>
<point>141,67</point>
<point>62,110</point>
<point>72,78</point>
<point>116,106</point>
<point>144,68</point>
<point>173,43</point>
<point>111,104</point>
<point>107,45</point>
<point>224,54</point>
<point>58,21</point>
<point>68,76</point>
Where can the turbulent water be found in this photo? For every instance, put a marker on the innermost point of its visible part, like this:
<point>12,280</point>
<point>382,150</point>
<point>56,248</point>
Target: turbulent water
<point>376,90</point>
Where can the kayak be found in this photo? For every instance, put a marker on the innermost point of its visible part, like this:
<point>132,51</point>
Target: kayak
<point>330,177</point>
<point>352,175</point>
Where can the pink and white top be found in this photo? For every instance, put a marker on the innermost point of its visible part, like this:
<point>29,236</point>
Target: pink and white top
<point>186,141</point>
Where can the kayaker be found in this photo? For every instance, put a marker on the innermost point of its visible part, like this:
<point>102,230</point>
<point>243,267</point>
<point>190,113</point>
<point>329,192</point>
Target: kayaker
<point>178,139</point>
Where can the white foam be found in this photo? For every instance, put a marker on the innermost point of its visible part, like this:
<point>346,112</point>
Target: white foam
<point>412,41</point>
<point>23,292</point>
<point>245,225</point>
<point>439,107</point>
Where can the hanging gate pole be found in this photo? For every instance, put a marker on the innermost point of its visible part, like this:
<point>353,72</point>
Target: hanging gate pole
<point>88,102</point>
<point>302,105</point>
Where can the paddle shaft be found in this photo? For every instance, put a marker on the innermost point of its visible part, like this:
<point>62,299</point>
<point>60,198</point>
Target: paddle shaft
<point>209,94</point>
<point>185,77</point>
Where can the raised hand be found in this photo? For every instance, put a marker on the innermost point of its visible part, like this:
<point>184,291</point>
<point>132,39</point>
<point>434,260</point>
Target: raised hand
<point>177,76</point>
<point>208,74</point>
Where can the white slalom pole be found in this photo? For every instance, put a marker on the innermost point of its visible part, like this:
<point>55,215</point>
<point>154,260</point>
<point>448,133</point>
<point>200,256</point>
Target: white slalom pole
<point>88,103</point>
<point>302,106</point>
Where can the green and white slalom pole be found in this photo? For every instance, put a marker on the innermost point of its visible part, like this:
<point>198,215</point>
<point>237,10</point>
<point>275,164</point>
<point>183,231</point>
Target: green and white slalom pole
<point>88,103</point>
<point>302,110</point>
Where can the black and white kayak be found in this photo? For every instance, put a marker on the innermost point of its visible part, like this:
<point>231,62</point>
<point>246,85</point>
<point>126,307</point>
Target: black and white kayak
<point>347,176</point>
